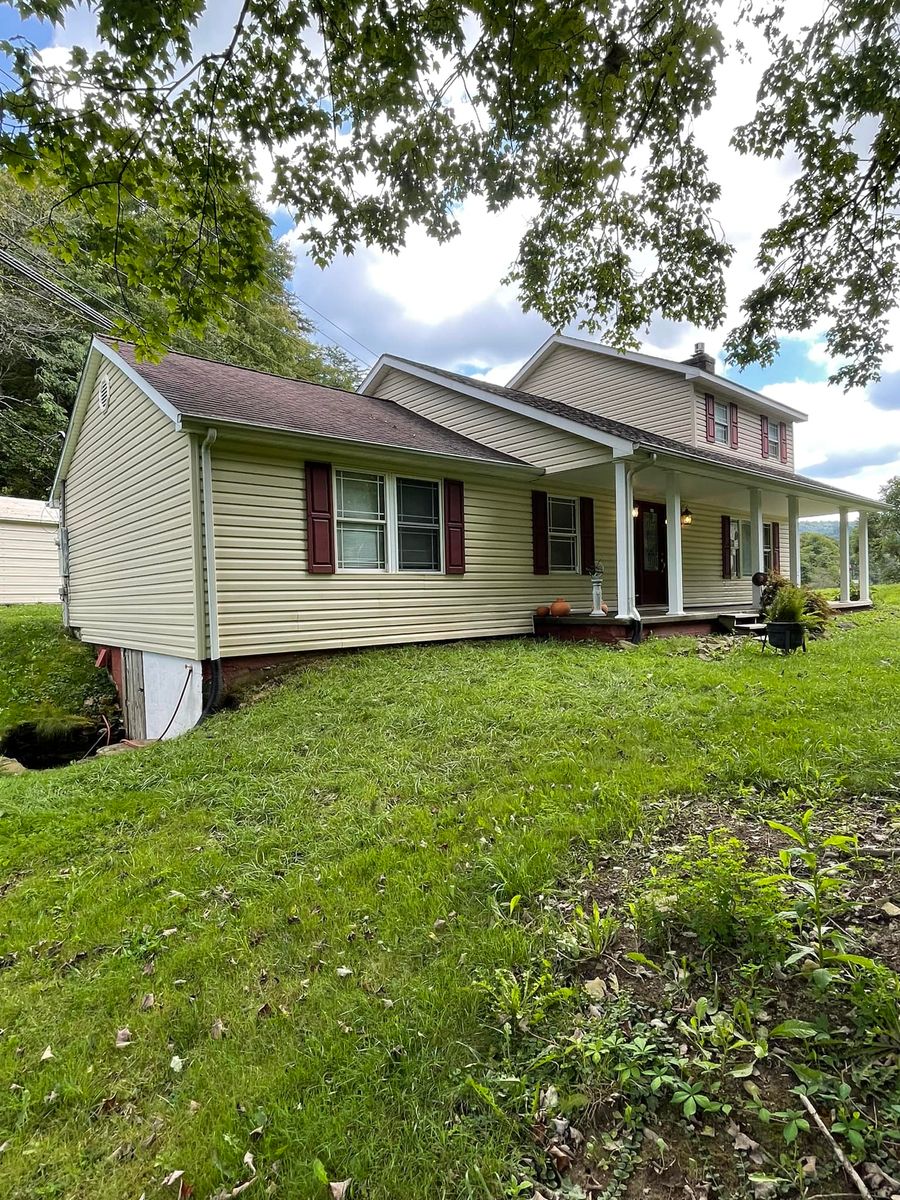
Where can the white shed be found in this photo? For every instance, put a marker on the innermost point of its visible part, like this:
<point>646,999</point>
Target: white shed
<point>29,555</point>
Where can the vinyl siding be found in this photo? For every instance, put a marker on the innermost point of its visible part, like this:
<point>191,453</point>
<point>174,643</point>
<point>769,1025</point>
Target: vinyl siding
<point>29,563</point>
<point>533,441</point>
<point>749,449</point>
<point>701,550</point>
<point>129,521</point>
<point>658,401</point>
<point>268,603</point>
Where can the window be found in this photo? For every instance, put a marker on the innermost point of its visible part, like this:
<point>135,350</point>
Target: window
<point>721,423</point>
<point>742,549</point>
<point>774,439</point>
<point>361,521</point>
<point>562,530</point>
<point>386,523</point>
<point>418,525</point>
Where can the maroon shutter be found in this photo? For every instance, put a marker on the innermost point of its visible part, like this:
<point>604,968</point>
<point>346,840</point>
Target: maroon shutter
<point>726,547</point>
<point>710,417</point>
<point>319,519</point>
<point>733,425</point>
<point>764,430</point>
<point>586,527</point>
<point>782,441</point>
<point>539,535</point>
<point>776,547</point>
<point>454,528</point>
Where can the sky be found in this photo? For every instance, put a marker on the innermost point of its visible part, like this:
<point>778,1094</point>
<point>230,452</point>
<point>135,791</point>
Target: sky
<point>447,304</point>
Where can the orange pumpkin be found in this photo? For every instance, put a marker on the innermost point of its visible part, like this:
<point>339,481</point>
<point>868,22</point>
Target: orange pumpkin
<point>604,608</point>
<point>560,607</point>
<point>542,611</point>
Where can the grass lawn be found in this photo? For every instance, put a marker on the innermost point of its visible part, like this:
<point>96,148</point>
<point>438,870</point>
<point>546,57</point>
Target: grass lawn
<point>286,918</point>
<point>44,673</point>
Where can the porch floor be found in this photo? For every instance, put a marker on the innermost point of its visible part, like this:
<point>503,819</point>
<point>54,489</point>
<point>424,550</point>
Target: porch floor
<point>657,622</point>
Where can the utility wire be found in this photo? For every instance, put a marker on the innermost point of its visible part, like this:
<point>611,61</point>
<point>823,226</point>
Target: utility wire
<point>36,277</point>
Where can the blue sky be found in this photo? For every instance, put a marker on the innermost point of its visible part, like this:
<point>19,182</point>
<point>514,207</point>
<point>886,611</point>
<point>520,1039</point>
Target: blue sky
<point>448,305</point>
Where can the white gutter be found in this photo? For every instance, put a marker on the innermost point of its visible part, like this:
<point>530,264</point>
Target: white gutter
<point>209,546</point>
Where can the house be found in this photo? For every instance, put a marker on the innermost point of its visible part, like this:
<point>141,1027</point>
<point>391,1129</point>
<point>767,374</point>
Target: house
<point>29,559</point>
<point>216,517</point>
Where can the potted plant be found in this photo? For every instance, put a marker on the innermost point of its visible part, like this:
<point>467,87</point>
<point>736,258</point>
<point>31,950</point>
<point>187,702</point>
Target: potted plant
<point>787,619</point>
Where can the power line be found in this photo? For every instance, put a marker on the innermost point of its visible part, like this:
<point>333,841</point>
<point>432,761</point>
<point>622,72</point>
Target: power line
<point>53,289</point>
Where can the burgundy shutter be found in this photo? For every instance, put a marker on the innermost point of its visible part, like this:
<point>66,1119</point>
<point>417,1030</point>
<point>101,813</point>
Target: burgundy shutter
<point>782,441</point>
<point>454,528</point>
<point>710,417</point>
<point>764,430</point>
<point>539,534</point>
<point>733,425</point>
<point>586,526</point>
<point>776,547</point>
<point>726,547</point>
<point>319,519</point>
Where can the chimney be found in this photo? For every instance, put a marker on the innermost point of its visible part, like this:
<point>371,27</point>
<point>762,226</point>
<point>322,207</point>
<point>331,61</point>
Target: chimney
<point>700,359</point>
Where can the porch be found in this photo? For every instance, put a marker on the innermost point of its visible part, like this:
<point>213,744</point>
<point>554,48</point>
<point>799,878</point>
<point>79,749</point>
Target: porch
<point>685,546</point>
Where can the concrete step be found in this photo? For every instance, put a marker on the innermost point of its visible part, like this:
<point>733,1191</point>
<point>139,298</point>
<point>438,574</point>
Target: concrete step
<point>756,629</point>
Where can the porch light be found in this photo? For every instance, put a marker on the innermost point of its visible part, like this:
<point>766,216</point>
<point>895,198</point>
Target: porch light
<point>635,511</point>
<point>687,517</point>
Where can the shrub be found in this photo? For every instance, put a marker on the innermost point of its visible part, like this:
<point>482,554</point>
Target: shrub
<point>711,891</point>
<point>781,596</point>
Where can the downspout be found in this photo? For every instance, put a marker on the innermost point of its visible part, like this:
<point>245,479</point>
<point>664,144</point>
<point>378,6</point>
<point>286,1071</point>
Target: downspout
<point>637,628</point>
<point>209,556</point>
<point>63,551</point>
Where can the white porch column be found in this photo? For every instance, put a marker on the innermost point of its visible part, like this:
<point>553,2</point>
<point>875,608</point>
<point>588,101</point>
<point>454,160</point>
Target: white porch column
<point>756,538</point>
<point>794,538</point>
<point>625,591</point>
<point>863,530</point>
<point>845,554</point>
<point>673,545</point>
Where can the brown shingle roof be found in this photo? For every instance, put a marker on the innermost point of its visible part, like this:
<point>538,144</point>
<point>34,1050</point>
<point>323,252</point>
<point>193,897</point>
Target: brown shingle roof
<point>215,391</point>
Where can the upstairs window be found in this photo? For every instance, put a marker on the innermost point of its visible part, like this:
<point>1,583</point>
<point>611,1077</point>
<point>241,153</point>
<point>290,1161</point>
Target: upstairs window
<point>721,424</point>
<point>562,532</point>
<point>774,440</point>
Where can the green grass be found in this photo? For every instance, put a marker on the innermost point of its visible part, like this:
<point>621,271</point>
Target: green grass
<point>44,673</point>
<point>331,825</point>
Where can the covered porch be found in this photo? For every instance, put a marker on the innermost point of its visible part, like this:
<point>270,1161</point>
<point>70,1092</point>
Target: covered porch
<point>691,543</point>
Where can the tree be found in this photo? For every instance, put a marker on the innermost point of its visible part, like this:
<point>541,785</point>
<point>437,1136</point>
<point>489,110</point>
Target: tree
<point>43,340</point>
<point>884,536</point>
<point>384,113</point>
<point>820,560</point>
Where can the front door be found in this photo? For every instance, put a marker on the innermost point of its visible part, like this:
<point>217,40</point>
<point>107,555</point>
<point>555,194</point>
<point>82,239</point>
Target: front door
<point>650,578</point>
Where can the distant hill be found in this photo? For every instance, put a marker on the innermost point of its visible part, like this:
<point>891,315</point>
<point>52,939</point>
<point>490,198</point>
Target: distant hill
<point>827,525</point>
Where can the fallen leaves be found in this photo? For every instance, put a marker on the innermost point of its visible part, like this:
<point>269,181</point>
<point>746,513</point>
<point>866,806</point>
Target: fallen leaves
<point>148,1002</point>
<point>217,1030</point>
<point>123,1038</point>
<point>177,1064</point>
<point>47,1055</point>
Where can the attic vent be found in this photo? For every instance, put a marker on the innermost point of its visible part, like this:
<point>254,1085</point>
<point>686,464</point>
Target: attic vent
<point>103,394</point>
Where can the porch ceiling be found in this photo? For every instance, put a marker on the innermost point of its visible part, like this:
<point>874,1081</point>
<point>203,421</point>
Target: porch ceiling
<point>713,488</point>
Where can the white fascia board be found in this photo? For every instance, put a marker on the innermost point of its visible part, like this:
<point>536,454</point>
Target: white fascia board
<point>98,351</point>
<point>620,447</point>
<point>709,380</point>
<point>769,483</point>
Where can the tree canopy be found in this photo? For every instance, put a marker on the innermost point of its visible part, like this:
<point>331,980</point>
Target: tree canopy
<point>379,114</point>
<point>43,339</point>
<point>885,536</point>
<point>820,560</point>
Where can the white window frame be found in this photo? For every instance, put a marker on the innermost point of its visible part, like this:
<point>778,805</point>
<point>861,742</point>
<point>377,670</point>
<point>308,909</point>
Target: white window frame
<point>737,544</point>
<point>774,440</point>
<point>391,523</point>
<point>575,536</point>
<point>724,423</point>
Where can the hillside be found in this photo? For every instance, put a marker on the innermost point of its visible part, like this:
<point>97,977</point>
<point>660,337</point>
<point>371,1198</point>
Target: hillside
<point>335,935</point>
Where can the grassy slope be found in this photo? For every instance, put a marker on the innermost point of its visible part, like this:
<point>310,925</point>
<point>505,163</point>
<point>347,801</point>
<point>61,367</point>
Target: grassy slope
<point>329,825</point>
<point>43,673</point>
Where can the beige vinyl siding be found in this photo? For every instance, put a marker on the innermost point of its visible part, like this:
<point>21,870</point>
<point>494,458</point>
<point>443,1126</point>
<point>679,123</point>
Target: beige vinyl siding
<point>659,401</point>
<point>129,520</point>
<point>29,563</point>
<point>701,550</point>
<point>532,441</point>
<point>749,447</point>
<point>267,603</point>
